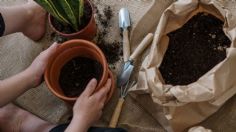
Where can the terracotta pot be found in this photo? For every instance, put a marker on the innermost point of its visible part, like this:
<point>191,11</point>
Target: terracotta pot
<point>87,33</point>
<point>67,51</point>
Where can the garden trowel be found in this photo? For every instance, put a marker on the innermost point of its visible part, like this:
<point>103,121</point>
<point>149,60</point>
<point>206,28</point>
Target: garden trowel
<point>124,24</point>
<point>128,67</point>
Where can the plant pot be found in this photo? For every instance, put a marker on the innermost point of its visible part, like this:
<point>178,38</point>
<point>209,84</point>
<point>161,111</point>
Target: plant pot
<point>67,51</point>
<point>87,33</point>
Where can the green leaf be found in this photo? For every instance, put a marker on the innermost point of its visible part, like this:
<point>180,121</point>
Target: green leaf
<point>75,4</point>
<point>66,11</point>
<point>81,10</point>
<point>66,8</point>
<point>50,8</point>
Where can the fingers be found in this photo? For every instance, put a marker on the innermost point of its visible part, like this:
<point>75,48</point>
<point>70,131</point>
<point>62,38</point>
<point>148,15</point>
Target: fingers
<point>90,87</point>
<point>108,87</point>
<point>44,56</point>
<point>53,46</point>
<point>99,115</point>
<point>102,93</point>
<point>51,49</point>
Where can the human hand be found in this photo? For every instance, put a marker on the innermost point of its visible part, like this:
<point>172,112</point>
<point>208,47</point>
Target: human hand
<point>88,107</point>
<point>37,68</point>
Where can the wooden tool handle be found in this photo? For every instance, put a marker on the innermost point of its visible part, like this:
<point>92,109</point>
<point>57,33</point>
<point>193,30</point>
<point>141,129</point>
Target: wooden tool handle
<point>126,46</point>
<point>116,113</point>
<point>145,42</point>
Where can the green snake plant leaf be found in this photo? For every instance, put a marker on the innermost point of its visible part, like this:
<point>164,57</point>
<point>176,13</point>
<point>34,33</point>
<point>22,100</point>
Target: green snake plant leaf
<point>50,8</point>
<point>81,10</point>
<point>76,6</point>
<point>66,11</point>
<point>64,7</point>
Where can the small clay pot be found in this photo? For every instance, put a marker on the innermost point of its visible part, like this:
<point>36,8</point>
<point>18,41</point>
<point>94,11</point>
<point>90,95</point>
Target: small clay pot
<point>67,51</point>
<point>87,33</point>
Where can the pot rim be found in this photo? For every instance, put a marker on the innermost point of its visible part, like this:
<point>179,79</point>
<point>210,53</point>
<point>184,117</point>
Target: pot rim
<point>54,57</point>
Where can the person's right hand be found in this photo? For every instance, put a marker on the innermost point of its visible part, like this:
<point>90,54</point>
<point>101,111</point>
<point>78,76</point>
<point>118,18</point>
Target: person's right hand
<point>88,107</point>
<point>38,66</point>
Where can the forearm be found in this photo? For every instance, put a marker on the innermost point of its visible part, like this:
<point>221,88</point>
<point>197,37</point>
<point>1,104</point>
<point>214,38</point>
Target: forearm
<point>13,87</point>
<point>77,125</point>
<point>15,23</point>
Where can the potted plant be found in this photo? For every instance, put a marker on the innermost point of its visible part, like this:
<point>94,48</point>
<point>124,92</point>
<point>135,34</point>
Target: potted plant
<point>69,69</point>
<point>71,18</point>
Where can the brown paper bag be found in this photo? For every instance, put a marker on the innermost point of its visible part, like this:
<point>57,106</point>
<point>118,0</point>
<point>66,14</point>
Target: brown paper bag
<point>190,104</point>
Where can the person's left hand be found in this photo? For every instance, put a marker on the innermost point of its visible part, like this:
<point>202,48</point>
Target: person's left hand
<point>37,68</point>
<point>88,107</point>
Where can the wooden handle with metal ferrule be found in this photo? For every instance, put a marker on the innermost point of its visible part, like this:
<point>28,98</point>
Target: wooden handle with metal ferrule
<point>143,45</point>
<point>126,46</point>
<point>116,113</point>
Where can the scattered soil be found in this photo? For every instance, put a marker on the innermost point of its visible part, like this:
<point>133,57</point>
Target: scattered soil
<point>106,17</point>
<point>108,12</point>
<point>57,38</point>
<point>194,49</point>
<point>67,28</point>
<point>76,74</point>
<point>112,50</point>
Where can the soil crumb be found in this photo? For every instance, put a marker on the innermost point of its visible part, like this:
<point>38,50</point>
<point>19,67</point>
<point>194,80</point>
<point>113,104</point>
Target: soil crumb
<point>111,49</point>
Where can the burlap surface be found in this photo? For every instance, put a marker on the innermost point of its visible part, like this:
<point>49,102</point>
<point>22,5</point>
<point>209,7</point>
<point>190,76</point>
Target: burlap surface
<point>17,52</point>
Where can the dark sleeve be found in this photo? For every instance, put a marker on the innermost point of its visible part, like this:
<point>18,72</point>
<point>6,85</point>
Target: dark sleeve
<point>2,25</point>
<point>62,127</point>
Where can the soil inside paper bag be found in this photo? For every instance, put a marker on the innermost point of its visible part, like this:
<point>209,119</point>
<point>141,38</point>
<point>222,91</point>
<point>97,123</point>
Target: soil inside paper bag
<point>194,49</point>
<point>76,74</point>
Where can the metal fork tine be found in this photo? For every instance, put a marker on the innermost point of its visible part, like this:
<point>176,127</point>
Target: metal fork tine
<point>121,91</point>
<point>132,84</point>
<point>125,88</point>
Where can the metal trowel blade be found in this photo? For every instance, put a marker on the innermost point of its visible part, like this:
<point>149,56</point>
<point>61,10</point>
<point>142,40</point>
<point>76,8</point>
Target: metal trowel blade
<point>125,74</point>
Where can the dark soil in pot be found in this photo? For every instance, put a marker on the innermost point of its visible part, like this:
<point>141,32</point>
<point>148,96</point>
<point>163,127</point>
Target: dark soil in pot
<point>67,29</point>
<point>76,74</point>
<point>194,49</point>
